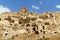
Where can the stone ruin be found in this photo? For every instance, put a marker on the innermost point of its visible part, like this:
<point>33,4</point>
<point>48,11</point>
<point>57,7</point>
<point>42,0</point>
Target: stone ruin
<point>26,25</point>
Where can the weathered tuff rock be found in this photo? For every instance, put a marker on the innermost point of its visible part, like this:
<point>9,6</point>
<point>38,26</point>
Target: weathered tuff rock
<point>25,25</point>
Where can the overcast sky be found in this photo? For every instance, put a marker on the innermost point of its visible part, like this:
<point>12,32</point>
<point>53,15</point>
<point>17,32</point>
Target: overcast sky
<point>39,6</point>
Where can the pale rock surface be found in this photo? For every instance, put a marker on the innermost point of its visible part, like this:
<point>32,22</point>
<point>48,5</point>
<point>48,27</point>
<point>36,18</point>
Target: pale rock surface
<point>25,25</point>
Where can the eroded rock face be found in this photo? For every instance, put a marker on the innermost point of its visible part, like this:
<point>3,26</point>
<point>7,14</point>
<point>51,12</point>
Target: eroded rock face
<point>25,25</point>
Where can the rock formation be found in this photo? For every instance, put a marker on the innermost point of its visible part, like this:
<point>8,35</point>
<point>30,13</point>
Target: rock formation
<point>25,25</point>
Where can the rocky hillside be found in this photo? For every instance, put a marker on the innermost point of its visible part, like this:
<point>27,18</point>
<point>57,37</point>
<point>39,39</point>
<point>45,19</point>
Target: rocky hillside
<point>25,25</point>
